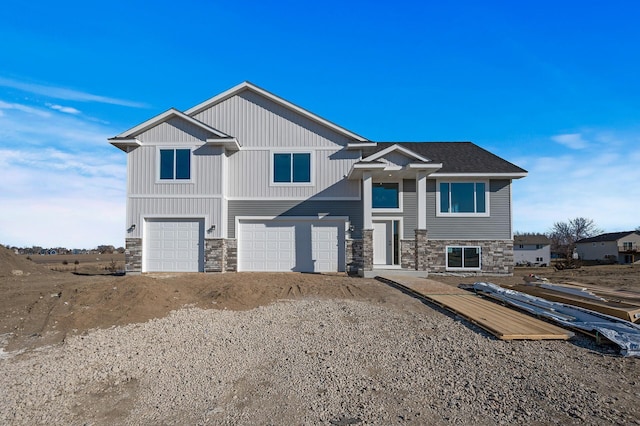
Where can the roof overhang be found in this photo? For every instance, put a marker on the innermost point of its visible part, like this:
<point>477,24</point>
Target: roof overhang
<point>126,145</point>
<point>385,171</point>
<point>360,145</point>
<point>229,144</point>
<point>398,148</point>
<point>168,114</point>
<point>488,175</point>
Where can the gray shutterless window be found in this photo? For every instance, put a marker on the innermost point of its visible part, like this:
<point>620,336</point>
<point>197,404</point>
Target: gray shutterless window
<point>462,197</point>
<point>175,164</point>
<point>291,168</point>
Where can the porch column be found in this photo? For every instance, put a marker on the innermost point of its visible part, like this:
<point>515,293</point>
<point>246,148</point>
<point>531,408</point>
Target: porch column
<point>366,200</point>
<point>421,192</point>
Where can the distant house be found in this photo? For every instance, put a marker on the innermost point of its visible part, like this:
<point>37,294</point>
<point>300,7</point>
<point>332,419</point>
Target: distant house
<point>531,250</point>
<point>618,247</point>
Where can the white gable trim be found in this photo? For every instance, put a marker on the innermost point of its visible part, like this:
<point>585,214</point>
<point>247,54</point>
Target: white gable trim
<point>406,151</point>
<point>161,118</point>
<point>249,86</point>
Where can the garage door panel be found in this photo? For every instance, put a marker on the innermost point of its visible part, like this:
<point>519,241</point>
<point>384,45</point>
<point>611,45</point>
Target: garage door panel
<point>173,245</point>
<point>291,245</point>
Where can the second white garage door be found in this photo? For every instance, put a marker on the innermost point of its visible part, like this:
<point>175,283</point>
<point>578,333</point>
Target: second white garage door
<point>291,245</point>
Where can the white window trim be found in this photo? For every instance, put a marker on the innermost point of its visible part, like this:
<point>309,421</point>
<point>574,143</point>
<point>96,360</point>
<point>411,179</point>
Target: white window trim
<point>292,151</point>
<point>400,197</point>
<point>174,180</point>
<point>487,198</point>
<point>446,259</point>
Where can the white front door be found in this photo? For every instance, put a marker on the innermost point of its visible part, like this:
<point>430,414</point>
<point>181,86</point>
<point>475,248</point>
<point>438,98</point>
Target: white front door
<point>382,243</point>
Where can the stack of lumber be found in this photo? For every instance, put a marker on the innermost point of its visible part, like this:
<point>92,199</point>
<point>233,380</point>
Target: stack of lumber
<point>502,322</point>
<point>591,299</point>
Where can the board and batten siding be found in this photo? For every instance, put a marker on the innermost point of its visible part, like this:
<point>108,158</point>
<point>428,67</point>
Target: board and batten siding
<point>208,208</point>
<point>175,130</point>
<point>250,175</point>
<point>495,227</point>
<point>206,172</point>
<point>259,122</point>
<point>271,208</point>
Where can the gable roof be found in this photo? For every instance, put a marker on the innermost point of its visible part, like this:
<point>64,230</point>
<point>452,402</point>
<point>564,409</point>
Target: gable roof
<point>531,239</point>
<point>611,236</point>
<point>274,98</point>
<point>161,118</point>
<point>458,158</point>
<point>396,147</point>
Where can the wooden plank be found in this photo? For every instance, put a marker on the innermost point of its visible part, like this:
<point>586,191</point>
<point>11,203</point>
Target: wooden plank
<point>625,311</point>
<point>502,322</point>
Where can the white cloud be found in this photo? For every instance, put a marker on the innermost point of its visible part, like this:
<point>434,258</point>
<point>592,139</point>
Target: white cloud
<point>62,183</point>
<point>599,182</point>
<point>571,140</point>
<point>68,110</point>
<point>66,94</point>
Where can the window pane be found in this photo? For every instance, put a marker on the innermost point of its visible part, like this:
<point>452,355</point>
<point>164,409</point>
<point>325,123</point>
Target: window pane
<point>166,164</point>
<point>471,257</point>
<point>480,204</point>
<point>454,257</point>
<point>462,197</point>
<point>385,196</point>
<point>302,167</point>
<point>444,198</point>
<point>282,167</point>
<point>183,164</point>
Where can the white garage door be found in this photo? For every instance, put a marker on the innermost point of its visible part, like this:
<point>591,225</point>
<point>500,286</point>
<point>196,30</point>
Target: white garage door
<point>173,245</point>
<point>291,245</point>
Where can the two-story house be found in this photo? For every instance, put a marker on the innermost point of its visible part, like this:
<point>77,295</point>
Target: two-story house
<point>532,250</point>
<point>614,247</point>
<point>247,181</point>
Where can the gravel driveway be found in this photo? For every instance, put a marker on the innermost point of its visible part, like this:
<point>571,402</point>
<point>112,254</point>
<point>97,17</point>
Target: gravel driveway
<point>310,362</point>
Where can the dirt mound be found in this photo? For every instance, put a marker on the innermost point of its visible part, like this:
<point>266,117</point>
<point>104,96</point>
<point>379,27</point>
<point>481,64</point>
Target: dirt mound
<point>14,265</point>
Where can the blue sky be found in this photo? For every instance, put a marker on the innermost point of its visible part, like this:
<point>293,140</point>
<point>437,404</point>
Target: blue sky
<point>550,86</point>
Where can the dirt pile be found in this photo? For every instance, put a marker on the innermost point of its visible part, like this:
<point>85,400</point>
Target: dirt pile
<point>12,265</point>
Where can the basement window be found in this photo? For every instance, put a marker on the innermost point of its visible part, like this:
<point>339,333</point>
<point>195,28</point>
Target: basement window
<point>463,258</point>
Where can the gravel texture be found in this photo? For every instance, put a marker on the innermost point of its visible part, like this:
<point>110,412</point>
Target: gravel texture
<point>310,362</point>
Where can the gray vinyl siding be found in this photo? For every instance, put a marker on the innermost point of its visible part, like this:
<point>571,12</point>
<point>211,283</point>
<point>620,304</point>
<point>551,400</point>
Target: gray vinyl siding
<point>206,172</point>
<point>208,208</point>
<point>250,176</point>
<point>259,122</point>
<point>175,130</point>
<point>495,227</point>
<point>410,208</point>
<point>351,209</point>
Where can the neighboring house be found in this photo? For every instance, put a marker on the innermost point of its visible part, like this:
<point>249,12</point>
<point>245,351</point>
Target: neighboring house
<point>618,247</point>
<point>532,250</point>
<point>247,181</point>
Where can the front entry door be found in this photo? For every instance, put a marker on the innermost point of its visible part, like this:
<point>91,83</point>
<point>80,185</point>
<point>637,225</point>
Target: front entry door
<point>386,242</point>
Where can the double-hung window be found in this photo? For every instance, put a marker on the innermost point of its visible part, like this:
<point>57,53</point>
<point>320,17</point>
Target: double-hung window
<point>463,258</point>
<point>175,164</point>
<point>463,198</point>
<point>291,167</point>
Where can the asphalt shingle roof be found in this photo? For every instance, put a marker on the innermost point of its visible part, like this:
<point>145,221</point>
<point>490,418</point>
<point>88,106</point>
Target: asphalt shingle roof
<point>456,157</point>
<point>611,236</point>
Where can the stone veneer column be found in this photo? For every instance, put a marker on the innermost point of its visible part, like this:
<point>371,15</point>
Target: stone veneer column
<point>214,254</point>
<point>231,256</point>
<point>367,249</point>
<point>133,255</point>
<point>422,251</point>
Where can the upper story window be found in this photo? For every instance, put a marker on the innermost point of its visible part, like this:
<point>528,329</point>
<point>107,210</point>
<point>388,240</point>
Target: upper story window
<point>463,198</point>
<point>292,167</point>
<point>385,195</point>
<point>175,164</point>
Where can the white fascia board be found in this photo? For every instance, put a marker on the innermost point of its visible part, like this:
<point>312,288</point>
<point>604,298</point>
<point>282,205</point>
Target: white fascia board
<point>125,144</point>
<point>357,169</point>
<point>396,147</point>
<point>230,144</point>
<point>274,98</point>
<point>172,112</point>
<point>481,175</point>
<point>422,166</point>
<point>359,145</point>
